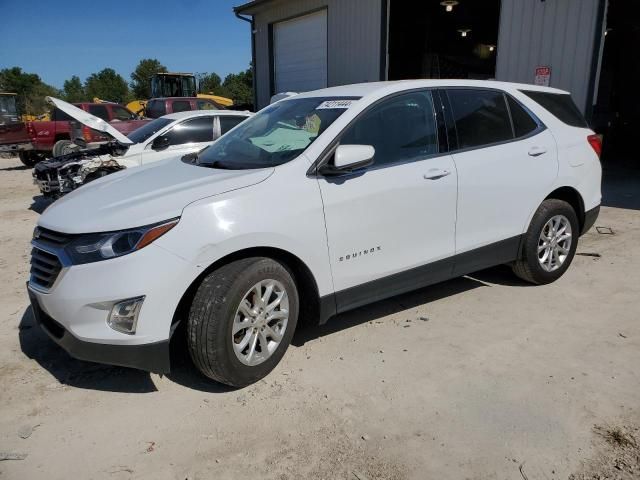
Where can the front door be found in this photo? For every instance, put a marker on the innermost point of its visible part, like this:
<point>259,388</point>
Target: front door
<point>384,224</point>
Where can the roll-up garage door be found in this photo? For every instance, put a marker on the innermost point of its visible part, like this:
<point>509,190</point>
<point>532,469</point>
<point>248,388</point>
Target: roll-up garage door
<point>300,53</point>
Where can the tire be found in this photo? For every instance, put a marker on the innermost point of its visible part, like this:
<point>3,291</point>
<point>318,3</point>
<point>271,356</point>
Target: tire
<point>28,159</point>
<point>63,147</point>
<point>216,308</point>
<point>542,268</point>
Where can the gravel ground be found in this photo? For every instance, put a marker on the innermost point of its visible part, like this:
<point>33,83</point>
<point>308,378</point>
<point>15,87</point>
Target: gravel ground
<point>480,377</point>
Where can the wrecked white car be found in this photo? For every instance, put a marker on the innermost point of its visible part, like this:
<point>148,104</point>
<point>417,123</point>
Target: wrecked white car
<point>171,136</point>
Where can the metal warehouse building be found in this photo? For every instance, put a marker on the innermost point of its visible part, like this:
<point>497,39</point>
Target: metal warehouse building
<point>588,47</point>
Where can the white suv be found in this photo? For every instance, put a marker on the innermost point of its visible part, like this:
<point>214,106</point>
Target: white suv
<point>318,204</point>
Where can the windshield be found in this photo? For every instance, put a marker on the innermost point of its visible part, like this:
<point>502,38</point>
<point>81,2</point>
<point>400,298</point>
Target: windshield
<point>8,113</point>
<point>139,135</point>
<point>275,135</point>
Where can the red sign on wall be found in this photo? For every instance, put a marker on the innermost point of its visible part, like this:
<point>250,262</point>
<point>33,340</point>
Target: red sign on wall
<point>543,75</point>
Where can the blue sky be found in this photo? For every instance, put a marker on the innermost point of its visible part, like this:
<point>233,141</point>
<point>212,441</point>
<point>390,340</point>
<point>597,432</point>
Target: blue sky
<point>58,39</point>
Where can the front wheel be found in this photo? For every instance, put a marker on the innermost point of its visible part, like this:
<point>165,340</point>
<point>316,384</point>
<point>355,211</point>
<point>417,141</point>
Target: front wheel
<point>550,243</point>
<point>28,159</point>
<point>242,319</point>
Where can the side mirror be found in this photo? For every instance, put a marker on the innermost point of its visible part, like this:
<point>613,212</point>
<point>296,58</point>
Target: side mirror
<point>160,143</point>
<point>348,158</point>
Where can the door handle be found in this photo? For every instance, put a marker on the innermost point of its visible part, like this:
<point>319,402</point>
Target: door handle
<point>436,173</point>
<point>537,151</point>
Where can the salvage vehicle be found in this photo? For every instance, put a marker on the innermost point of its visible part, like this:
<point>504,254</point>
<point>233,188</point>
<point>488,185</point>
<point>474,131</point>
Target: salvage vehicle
<point>14,137</point>
<point>158,107</point>
<point>171,136</point>
<point>318,204</point>
<point>53,137</point>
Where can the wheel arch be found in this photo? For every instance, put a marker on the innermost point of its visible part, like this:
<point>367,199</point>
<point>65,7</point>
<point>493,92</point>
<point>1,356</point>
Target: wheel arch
<point>573,198</point>
<point>302,275</point>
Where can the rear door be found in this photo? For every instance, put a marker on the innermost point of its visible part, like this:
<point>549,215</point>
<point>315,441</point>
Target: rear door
<point>389,224</point>
<point>186,137</point>
<point>506,162</point>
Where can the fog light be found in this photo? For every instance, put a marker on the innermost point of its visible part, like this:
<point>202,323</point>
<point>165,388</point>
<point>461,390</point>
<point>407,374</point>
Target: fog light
<point>124,315</point>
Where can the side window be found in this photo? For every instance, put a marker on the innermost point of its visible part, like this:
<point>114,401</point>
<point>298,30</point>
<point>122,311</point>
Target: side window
<point>181,106</point>
<point>523,124</point>
<point>58,115</point>
<point>480,116</point>
<point>99,111</point>
<point>401,128</point>
<point>192,131</point>
<point>121,113</point>
<point>156,109</point>
<point>206,105</point>
<point>227,123</point>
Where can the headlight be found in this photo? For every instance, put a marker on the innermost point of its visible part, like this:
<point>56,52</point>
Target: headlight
<point>94,247</point>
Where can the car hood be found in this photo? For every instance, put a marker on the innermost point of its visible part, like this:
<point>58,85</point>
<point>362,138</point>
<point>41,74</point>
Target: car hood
<point>89,120</point>
<point>142,196</point>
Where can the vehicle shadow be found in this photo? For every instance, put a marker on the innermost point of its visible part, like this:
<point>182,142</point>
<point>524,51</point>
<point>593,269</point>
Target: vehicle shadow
<point>13,169</point>
<point>36,345</point>
<point>40,204</point>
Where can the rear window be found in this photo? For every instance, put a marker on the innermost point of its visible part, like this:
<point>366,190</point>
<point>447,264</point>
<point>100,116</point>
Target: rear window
<point>559,105</point>
<point>59,116</point>
<point>99,111</point>
<point>181,106</point>
<point>156,108</point>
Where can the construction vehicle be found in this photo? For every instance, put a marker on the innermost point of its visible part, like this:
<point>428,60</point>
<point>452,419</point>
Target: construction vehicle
<point>175,84</point>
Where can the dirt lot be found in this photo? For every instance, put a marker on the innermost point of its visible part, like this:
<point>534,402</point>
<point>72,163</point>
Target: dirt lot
<point>481,377</point>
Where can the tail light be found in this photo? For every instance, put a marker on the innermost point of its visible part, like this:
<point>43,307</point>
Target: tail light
<point>596,143</point>
<point>86,134</point>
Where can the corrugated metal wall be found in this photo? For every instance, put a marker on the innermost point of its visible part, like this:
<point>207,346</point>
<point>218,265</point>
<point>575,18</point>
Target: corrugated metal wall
<point>555,33</point>
<point>353,39</point>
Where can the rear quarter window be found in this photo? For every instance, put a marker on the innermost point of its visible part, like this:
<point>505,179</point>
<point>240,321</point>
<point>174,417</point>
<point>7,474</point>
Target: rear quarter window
<point>560,106</point>
<point>523,123</point>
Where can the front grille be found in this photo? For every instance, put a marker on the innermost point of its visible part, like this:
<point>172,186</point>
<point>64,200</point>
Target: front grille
<point>56,239</point>
<point>45,268</point>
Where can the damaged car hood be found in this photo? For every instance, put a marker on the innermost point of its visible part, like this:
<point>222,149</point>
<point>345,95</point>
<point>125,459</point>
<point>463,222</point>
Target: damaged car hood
<point>89,120</point>
<point>142,196</point>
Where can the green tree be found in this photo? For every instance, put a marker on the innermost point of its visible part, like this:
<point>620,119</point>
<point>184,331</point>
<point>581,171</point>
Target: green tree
<point>107,85</point>
<point>73,91</point>
<point>239,87</point>
<point>209,82</point>
<point>30,88</point>
<point>141,77</point>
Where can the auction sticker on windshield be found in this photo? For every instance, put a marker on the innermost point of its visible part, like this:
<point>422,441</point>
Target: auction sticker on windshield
<point>327,104</point>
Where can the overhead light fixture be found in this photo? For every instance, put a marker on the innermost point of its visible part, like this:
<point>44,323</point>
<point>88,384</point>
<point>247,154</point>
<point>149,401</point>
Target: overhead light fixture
<point>464,31</point>
<point>449,4</point>
<point>491,47</point>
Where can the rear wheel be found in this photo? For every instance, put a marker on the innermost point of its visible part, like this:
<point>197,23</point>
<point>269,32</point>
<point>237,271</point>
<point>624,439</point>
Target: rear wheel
<point>63,147</point>
<point>242,319</point>
<point>550,243</point>
<point>29,159</point>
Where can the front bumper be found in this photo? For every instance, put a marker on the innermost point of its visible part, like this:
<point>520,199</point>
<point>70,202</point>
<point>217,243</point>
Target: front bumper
<point>152,357</point>
<point>74,306</point>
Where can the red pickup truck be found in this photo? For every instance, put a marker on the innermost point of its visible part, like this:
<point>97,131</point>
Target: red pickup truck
<point>53,136</point>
